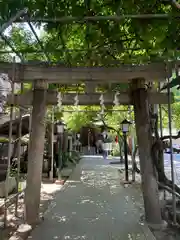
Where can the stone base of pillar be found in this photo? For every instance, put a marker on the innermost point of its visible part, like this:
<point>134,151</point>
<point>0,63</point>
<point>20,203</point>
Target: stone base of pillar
<point>157,227</point>
<point>60,182</point>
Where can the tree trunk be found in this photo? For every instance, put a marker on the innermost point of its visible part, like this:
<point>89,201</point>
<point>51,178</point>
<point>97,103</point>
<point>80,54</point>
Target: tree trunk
<point>35,157</point>
<point>143,131</point>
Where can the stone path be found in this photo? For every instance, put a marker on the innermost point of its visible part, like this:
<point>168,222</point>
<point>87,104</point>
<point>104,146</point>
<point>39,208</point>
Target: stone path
<point>93,205</point>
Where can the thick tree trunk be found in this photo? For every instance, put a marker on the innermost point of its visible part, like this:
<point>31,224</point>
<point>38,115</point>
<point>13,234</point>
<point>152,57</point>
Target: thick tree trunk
<point>143,130</point>
<point>35,157</point>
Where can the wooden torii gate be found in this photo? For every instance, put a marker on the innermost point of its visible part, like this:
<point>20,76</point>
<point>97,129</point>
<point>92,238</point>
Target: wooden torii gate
<point>26,99</point>
<point>136,76</point>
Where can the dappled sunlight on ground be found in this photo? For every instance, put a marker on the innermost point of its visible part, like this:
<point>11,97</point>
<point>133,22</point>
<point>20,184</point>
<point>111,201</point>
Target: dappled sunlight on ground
<point>50,188</point>
<point>93,205</point>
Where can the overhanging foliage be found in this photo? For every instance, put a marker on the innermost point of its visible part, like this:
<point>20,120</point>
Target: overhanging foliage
<point>102,42</point>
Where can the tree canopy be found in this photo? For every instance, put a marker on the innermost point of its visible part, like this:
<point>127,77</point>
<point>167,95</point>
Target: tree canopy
<point>101,42</point>
<point>88,43</point>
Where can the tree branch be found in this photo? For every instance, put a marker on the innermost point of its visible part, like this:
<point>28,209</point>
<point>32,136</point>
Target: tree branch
<point>109,127</point>
<point>167,188</point>
<point>168,136</point>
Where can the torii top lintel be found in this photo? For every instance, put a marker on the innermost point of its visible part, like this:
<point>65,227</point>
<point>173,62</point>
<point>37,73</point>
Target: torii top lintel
<point>29,72</point>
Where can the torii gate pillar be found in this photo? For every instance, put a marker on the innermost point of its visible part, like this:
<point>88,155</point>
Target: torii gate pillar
<point>35,153</point>
<point>144,137</point>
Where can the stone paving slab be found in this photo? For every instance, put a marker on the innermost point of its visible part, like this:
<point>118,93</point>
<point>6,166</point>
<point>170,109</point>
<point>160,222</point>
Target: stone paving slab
<point>94,206</point>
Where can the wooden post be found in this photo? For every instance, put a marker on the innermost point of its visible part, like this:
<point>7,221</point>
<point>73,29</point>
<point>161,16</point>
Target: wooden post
<point>51,175</point>
<point>35,156</point>
<point>144,137</point>
<point>90,87</point>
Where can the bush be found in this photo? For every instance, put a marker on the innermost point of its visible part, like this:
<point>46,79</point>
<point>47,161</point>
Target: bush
<point>73,157</point>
